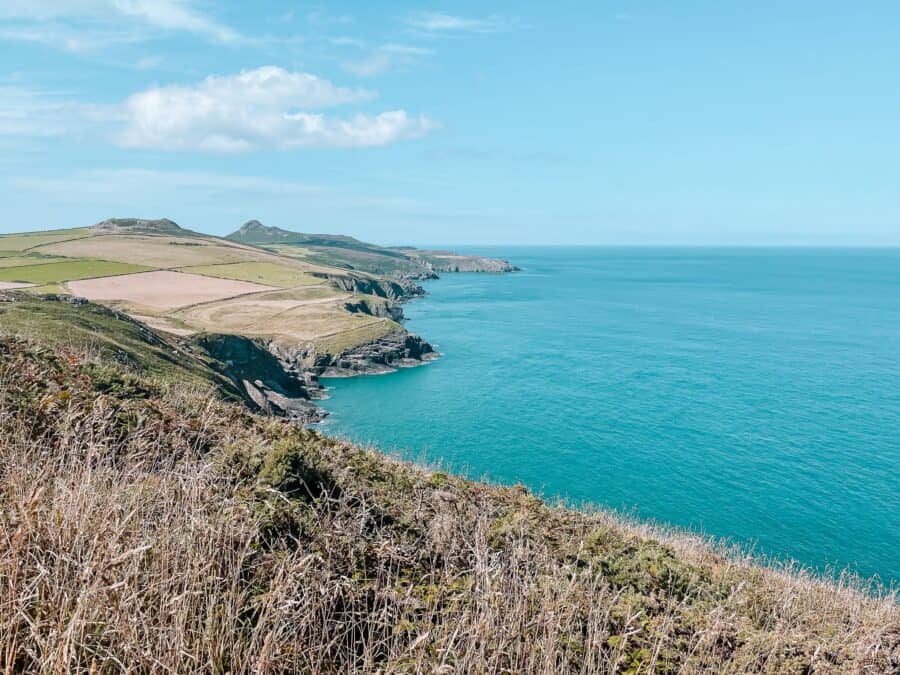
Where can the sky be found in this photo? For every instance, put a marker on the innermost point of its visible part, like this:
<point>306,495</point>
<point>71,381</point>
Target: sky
<point>490,122</point>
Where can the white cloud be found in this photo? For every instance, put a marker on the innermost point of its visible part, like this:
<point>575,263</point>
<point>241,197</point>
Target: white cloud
<point>438,23</point>
<point>264,108</point>
<point>80,25</point>
<point>382,59</point>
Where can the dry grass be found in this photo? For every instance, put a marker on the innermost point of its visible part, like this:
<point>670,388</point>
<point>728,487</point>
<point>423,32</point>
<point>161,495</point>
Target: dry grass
<point>154,251</point>
<point>162,289</point>
<point>267,273</point>
<point>150,530</point>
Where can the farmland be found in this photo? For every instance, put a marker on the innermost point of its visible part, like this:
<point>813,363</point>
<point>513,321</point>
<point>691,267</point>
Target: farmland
<point>267,273</point>
<point>161,289</point>
<point>182,282</point>
<point>47,273</point>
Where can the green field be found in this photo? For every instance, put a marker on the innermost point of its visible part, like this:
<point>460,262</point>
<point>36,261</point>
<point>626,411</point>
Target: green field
<point>22,242</point>
<point>67,271</point>
<point>269,274</point>
<point>56,289</point>
<point>17,260</point>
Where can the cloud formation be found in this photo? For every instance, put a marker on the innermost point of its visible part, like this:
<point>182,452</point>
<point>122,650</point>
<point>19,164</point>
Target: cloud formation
<point>268,107</point>
<point>80,25</point>
<point>383,58</point>
<point>265,108</point>
<point>438,23</point>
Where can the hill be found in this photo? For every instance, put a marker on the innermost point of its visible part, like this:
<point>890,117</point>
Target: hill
<point>139,226</point>
<point>351,253</point>
<point>148,526</point>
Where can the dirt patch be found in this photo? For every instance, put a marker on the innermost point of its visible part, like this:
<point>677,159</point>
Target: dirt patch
<point>10,285</point>
<point>162,290</point>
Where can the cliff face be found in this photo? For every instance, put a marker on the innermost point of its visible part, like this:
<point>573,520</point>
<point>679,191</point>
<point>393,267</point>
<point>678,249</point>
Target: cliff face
<point>393,289</point>
<point>400,349</point>
<point>270,385</point>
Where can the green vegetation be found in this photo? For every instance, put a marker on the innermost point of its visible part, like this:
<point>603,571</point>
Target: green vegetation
<point>367,330</point>
<point>22,242</point>
<point>49,288</point>
<point>70,270</point>
<point>151,528</point>
<point>16,260</point>
<point>329,249</point>
<point>266,273</point>
<point>109,336</point>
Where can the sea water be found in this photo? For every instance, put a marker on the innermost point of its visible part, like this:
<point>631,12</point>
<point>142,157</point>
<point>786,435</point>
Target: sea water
<point>749,394</point>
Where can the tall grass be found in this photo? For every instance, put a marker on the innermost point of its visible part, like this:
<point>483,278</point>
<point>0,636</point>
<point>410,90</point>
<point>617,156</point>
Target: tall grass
<point>157,530</point>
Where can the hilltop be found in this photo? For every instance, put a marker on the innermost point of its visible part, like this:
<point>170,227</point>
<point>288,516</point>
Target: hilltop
<point>138,226</point>
<point>351,253</point>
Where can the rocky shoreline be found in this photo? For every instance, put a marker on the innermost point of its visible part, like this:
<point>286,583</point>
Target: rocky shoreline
<point>400,349</point>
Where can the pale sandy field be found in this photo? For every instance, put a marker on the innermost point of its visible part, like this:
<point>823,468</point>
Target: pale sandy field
<point>154,251</point>
<point>10,285</point>
<point>162,289</point>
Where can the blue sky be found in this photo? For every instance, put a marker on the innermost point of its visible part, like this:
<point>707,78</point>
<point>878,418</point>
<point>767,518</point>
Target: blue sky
<point>605,122</point>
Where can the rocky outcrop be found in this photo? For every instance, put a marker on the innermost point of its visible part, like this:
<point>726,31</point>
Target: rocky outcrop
<point>272,386</point>
<point>384,355</point>
<point>400,349</point>
<point>383,308</point>
<point>138,226</point>
<point>390,288</point>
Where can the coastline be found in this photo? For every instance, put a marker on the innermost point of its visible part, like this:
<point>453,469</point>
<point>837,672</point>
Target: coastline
<point>388,354</point>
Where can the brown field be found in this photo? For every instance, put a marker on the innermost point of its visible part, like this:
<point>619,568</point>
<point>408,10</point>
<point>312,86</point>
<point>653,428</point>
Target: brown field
<point>153,251</point>
<point>296,316</point>
<point>10,285</point>
<point>162,289</point>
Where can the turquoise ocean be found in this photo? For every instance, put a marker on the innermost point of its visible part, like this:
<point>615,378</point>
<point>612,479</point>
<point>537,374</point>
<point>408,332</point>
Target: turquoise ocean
<point>748,394</point>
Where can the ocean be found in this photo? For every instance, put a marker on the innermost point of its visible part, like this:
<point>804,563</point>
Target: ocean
<point>745,394</point>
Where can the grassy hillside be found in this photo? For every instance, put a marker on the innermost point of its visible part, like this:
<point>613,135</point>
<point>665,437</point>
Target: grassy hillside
<point>149,527</point>
<point>108,337</point>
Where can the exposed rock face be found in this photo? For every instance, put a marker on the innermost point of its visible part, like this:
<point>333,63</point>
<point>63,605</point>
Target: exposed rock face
<point>392,289</point>
<point>138,225</point>
<point>386,309</point>
<point>272,386</point>
<point>397,350</point>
